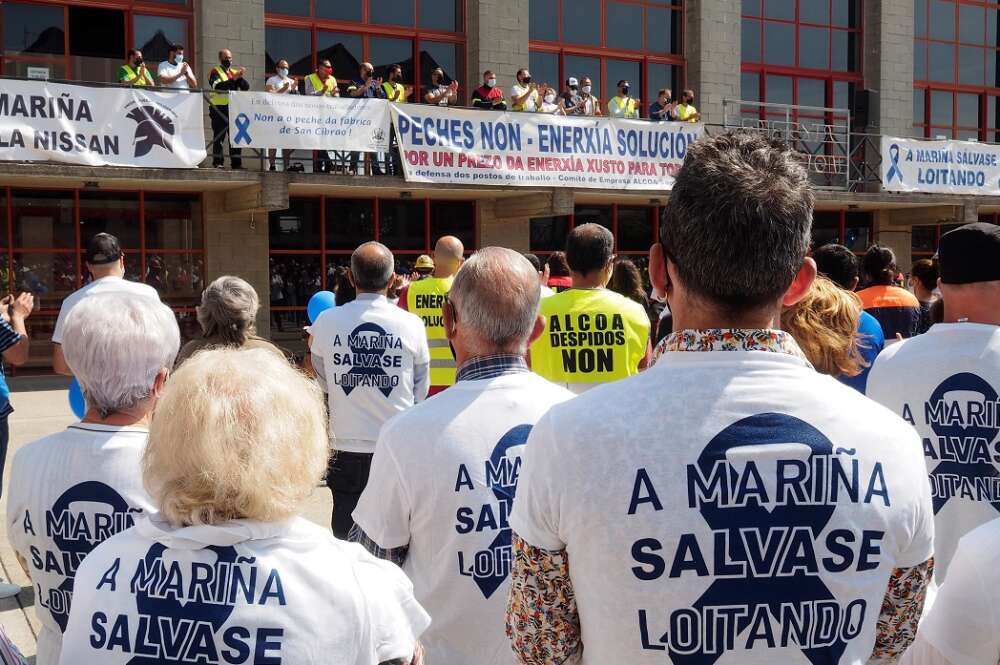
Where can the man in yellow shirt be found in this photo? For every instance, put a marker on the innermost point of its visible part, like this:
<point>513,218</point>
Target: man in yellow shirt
<point>592,335</point>
<point>686,111</point>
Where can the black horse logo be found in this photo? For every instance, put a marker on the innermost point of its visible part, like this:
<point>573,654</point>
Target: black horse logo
<point>153,128</point>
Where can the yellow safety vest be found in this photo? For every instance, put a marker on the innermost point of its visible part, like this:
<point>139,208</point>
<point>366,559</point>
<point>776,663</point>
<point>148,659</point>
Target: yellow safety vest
<point>142,80</point>
<point>521,106</point>
<point>686,112</point>
<point>426,299</point>
<point>627,104</point>
<point>326,86</point>
<point>591,336</point>
<point>217,98</point>
<point>394,90</point>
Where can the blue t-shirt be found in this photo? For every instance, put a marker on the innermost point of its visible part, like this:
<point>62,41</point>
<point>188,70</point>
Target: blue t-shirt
<point>8,338</point>
<point>871,343</point>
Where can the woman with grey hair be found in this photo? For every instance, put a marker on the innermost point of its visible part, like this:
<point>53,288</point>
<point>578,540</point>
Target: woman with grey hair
<point>227,315</point>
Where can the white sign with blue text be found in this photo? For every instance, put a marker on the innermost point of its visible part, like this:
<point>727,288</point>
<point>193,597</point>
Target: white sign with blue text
<point>297,122</point>
<point>447,145</point>
<point>940,167</point>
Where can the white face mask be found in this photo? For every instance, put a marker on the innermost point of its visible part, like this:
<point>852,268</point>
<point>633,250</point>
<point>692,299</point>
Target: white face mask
<point>550,98</point>
<point>586,89</point>
<point>179,58</point>
<point>491,82</point>
<point>283,73</point>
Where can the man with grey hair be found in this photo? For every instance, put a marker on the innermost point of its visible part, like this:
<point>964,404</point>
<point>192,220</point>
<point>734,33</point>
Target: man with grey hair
<point>74,489</point>
<point>445,472</point>
<point>729,504</point>
<point>372,359</point>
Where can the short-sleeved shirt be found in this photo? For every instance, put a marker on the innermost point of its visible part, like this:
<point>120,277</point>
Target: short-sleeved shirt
<point>440,91</point>
<point>68,493</point>
<point>369,91</point>
<point>124,75</point>
<point>240,592</point>
<point>870,345</point>
<point>98,286</point>
<point>726,503</point>
<point>8,338</point>
<point>687,112</point>
<point>897,310</point>
<point>571,99</point>
<point>529,105</point>
<point>277,81</point>
<point>169,69</point>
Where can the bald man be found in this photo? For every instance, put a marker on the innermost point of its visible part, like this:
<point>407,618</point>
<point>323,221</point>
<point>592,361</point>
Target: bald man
<point>426,299</point>
<point>372,360</point>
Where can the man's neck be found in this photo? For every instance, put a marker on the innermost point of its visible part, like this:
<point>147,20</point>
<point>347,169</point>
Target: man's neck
<point>444,273</point>
<point>986,312</point>
<point>173,61</point>
<point>117,419</point>
<point>383,292</point>
<point>594,280</point>
<point>698,316</point>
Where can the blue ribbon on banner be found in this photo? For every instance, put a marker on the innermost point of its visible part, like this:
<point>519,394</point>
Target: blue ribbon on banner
<point>242,123</point>
<point>894,171</point>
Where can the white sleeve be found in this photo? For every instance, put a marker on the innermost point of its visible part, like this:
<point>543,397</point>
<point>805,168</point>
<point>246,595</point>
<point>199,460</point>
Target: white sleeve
<point>160,68</point>
<point>397,620</point>
<point>57,332</point>
<point>922,652</point>
<point>535,516</point>
<point>917,539</point>
<point>383,511</point>
<point>15,506</point>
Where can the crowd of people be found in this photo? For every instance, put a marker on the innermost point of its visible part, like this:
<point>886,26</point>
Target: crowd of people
<point>753,461</point>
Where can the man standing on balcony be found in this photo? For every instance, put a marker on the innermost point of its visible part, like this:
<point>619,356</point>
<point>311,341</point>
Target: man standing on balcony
<point>174,72</point>
<point>226,78</point>
<point>322,83</point>
<point>134,71</point>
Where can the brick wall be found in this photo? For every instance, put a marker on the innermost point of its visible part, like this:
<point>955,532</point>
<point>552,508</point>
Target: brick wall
<point>237,25</point>
<point>888,62</point>
<point>497,40</point>
<point>712,49</point>
<point>511,232</point>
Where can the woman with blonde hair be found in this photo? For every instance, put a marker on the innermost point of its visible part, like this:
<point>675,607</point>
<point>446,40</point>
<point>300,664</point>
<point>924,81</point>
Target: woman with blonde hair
<point>227,571</point>
<point>825,326</point>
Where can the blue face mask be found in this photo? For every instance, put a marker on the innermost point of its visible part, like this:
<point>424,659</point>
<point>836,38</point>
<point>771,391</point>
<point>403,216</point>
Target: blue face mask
<point>283,73</point>
<point>179,58</point>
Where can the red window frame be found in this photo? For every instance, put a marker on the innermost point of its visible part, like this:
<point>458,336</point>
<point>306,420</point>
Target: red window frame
<point>654,210</point>
<point>131,8</point>
<point>644,57</point>
<point>842,228</point>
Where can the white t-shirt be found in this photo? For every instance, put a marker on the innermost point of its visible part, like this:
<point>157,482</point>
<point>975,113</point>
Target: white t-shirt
<point>733,504</point>
<point>374,360</point>
<point>946,383</point>
<point>962,627</point>
<point>240,592</point>
<point>442,481</point>
<point>168,69</point>
<point>277,81</point>
<point>102,285</point>
<point>531,103</point>
<point>68,493</point>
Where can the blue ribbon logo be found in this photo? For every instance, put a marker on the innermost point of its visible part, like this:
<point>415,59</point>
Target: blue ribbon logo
<point>242,123</point>
<point>894,171</point>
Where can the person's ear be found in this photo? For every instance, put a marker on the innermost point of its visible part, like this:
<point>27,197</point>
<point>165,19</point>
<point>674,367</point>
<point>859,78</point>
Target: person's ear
<point>855,282</point>
<point>658,269</point>
<point>448,314</point>
<point>350,278</point>
<point>160,381</point>
<point>801,284</point>
<point>537,331</point>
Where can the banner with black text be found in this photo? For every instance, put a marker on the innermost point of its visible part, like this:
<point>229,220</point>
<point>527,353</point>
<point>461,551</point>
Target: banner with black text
<point>940,167</point>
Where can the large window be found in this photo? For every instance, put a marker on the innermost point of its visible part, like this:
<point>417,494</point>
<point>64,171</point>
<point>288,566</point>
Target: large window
<point>849,228</point>
<point>803,53</point>
<point>955,78</point>
<point>44,233</point>
<point>316,235</point>
<point>418,35</point>
<point>607,41</point>
<point>65,40</point>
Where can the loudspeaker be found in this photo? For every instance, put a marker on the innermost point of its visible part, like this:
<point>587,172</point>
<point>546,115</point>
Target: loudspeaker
<point>865,103</point>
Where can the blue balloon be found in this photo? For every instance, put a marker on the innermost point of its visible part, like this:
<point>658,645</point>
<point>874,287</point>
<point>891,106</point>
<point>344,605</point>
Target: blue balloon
<point>319,303</point>
<point>76,400</point>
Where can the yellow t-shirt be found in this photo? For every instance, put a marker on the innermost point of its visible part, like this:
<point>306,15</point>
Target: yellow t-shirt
<point>591,336</point>
<point>687,113</point>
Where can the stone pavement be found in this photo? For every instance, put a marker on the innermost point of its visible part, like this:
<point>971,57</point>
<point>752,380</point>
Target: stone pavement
<point>41,408</point>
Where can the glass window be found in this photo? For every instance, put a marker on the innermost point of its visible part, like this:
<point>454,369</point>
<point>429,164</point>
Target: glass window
<point>173,221</point>
<point>846,13</point>
<point>971,65</point>
<point>750,38</point>
<point>814,48</point>
<point>154,35</point>
<point>401,224</point>
<point>919,61</point>
<point>440,14</point>
<point>857,231</point>
<point>385,51</point>
<point>97,42</point>
<point>636,229</point>
<point>843,95</point>
<point>594,215</point>
<point>545,68</point>
<point>290,44</point>
<point>750,87</point>
<point>751,7</point>
<point>582,24</point>
<point>924,239</point>
<point>815,11</point>
<point>438,54</point>
<point>968,110</point>
<point>581,67</point>
<point>33,28</point>
<point>548,234</point>
<point>43,219</point>
<point>941,111</point>
<point>663,76</point>
<point>110,212</point>
<point>825,228</point>
<point>942,62</point>
<point>455,218</point>
<point>543,20</point>
<point>624,25</point>
<point>779,44</point>
<point>812,92</point>
<point>343,50</point>
<point>629,70</point>
<point>391,12</point>
<point>663,30</point>
<point>918,106</point>
<point>920,18</point>
<point>844,51</point>
<point>971,23</point>
<point>180,278</point>
<point>342,10</point>
<point>783,9</point>
<point>297,227</point>
<point>942,20</point>
<point>288,7</point>
<point>991,27</point>
<point>294,279</point>
<point>349,222</point>
<point>779,90</point>
<point>50,276</point>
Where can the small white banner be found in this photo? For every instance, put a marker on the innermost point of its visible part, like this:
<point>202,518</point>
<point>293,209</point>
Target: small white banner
<point>448,145</point>
<point>42,121</point>
<point>268,120</point>
<point>940,167</point>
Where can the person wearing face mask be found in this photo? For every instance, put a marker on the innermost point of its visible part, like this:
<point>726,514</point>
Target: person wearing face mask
<point>322,83</point>
<point>134,72</point>
<point>488,96</point>
<point>622,105</point>
<point>664,107</point>
<point>525,94</point>
<point>226,78</point>
<point>174,72</point>
<point>280,84</point>
<point>549,104</point>
<point>395,91</point>
<point>367,86</point>
<point>686,112</point>
<point>570,101</point>
<point>439,92</point>
<point>591,104</point>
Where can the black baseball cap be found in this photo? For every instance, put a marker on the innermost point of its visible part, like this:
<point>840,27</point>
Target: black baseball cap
<point>103,248</point>
<point>970,254</point>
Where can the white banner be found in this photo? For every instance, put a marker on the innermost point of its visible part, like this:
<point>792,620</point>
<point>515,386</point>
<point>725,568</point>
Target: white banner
<point>41,121</point>
<point>267,120</point>
<point>448,145</point>
<point>940,167</point>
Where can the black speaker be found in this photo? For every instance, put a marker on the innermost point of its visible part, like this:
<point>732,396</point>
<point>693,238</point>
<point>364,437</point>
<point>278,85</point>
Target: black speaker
<point>864,105</point>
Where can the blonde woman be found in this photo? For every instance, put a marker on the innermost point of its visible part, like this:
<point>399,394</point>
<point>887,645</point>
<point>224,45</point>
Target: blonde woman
<point>825,325</point>
<point>227,572</point>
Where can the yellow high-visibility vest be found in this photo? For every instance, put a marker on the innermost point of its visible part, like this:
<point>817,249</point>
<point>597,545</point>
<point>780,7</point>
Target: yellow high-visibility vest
<point>687,113</point>
<point>394,90</point>
<point>426,299</point>
<point>591,336</point>
<point>327,86</point>
<point>144,80</point>
<point>216,98</point>
<point>624,106</point>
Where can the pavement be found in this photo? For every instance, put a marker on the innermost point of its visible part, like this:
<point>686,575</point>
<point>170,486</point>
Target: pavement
<point>41,408</point>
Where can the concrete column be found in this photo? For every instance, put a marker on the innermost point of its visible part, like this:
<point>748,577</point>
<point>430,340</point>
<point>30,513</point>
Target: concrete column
<point>510,232</point>
<point>237,25</point>
<point>888,63</point>
<point>712,49</point>
<point>497,40</point>
<point>970,212</point>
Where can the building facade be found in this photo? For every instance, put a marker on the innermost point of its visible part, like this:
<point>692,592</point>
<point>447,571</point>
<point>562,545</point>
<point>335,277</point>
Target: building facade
<point>897,67</point>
